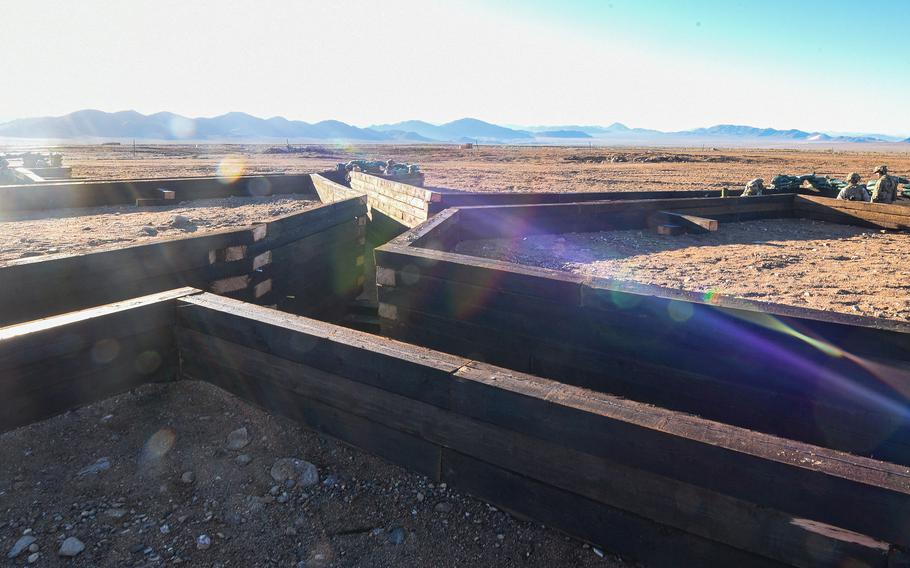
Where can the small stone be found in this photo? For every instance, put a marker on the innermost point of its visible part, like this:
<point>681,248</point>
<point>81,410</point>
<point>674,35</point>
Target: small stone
<point>181,221</point>
<point>598,551</point>
<point>397,536</point>
<point>72,546</point>
<point>148,231</point>
<point>302,472</point>
<point>243,459</point>
<point>443,507</point>
<point>102,464</point>
<point>32,558</point>
<point>137,548</point>
<point>203,542</point>
<point>187,478</point>
<point>21,545</point>
<point>238,439</point>
<point>33,547</point>
<point>164,529</point>
<point>283,498</point>
<point>420,497</point>
<point>116,513</point>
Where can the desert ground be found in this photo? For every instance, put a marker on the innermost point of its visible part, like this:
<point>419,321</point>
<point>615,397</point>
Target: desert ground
<point>78,230</point>
<point>184,473</point>
<point>497,168</point>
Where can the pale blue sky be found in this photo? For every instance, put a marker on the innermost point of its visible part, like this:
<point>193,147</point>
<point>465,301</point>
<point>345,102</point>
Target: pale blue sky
<point>835,65</point>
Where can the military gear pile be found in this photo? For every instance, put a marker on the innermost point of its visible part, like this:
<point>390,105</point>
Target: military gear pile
<point>785,183</point>
<point>389,167</point>
<point>754,187</point>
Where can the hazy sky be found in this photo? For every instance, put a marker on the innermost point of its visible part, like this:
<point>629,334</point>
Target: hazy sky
<point>814,65</point>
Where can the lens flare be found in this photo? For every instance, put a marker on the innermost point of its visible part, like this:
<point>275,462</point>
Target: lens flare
<point>231,168</point>
<point>182,127</point>
<point>159,444</point>
<point>148,362</point>
<point>105,350</point>
<point>680,311</point>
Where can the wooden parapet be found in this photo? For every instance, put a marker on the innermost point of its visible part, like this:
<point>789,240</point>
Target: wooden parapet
<point>829,379</point>
<point>637,479</point>
<point>56,195</point>
<point>231,261</point>
<point>661,486</point>
<point>52,365</point>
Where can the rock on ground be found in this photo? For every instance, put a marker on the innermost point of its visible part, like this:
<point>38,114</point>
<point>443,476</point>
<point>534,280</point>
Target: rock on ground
<point>21,545</point>
<point>72,546</point>
<point>301,472</point>
<point>238,439</point>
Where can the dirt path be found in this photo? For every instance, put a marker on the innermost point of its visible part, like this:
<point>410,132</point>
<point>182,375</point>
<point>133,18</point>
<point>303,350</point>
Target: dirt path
<point>796,262</point>
<point>68,231</point>
<point>167,476</point>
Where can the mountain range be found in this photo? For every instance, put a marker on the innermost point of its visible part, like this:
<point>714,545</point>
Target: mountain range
<point>95,125</point>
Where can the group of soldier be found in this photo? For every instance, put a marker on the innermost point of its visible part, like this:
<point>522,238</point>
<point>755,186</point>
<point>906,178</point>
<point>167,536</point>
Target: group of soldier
<point>882,190</point>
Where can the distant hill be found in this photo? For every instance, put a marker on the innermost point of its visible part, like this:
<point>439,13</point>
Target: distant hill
<point>739,131</point>
<point>469,129</point>
<point>562,134</point>
<point>94,125</point>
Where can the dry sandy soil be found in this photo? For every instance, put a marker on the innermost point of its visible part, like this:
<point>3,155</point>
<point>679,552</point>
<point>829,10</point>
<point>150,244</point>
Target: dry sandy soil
<point>499,168</point>
<point>167,476</point>
<point>69,231</point>
<point>797,262</point>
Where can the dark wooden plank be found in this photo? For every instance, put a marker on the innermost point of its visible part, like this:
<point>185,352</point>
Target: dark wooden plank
<point>793,477</point>
<point>347,231</point>
<point>552,285</point>
<point>691,223</point>
<point>865,217</point>
<point>456,198</point>
<point>617,531</point>
<point>579,419</point>
<point>108,192</point>
<point>406,369</point>
<point>837,204</point>
<point>521,220</point>
<point>293,228</point>
<point>147,352</point>
<point>78,391</point>
<point>25,343</point>
<point>710,515</point>
<point>440,232</point>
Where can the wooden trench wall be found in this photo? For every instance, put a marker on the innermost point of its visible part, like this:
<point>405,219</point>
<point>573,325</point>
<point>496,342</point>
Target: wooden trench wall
<point>654,484</point>
<point>651,422</point>
<point>311,262</point>
<point>76,193</point>
<point>829,379</point>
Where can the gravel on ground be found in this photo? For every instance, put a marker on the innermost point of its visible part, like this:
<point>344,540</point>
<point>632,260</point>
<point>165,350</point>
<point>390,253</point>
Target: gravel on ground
<point>79,230</point>
<point>185,473</point>
<point>795,262</point>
